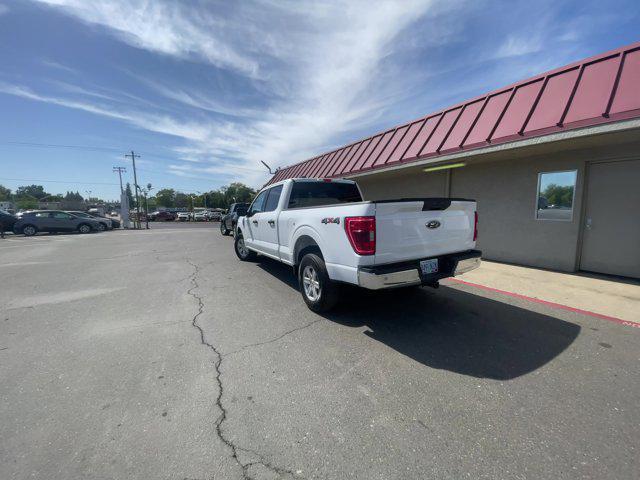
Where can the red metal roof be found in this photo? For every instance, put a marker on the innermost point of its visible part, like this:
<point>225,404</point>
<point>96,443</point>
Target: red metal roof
<point>600,89</point>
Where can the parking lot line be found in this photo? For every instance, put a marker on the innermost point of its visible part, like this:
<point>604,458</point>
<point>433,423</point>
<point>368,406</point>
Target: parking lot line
<point>559,306</point>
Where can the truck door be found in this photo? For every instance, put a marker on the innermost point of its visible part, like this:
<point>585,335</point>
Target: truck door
<point>268,223</point>
<point>253,220</point>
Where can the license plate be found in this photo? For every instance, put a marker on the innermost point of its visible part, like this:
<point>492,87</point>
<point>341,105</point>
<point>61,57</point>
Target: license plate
<point>429,266</point>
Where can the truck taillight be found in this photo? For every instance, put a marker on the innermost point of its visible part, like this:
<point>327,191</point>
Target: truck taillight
<point>361,232</point>
<point>475,226</point>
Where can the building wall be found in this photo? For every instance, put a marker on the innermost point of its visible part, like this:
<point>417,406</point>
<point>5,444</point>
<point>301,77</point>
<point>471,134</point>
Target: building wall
<point>508,230</point>
<point>506,191</point>
<point>403,185</point>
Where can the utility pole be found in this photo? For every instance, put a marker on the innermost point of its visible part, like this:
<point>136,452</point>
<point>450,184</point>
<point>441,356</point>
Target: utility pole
<point>135,182</point>
<point>120,170</point>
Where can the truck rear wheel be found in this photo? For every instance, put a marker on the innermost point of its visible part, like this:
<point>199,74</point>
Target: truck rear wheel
<point>319,292</point>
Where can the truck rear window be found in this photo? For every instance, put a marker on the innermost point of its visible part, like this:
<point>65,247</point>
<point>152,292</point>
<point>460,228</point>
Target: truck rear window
<point>314,194</point>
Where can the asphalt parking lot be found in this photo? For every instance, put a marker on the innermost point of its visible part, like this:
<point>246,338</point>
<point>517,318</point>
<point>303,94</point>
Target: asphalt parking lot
<point>158,355</point>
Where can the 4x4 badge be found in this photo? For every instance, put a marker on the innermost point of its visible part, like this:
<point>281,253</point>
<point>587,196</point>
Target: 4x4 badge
<point>331,220</point>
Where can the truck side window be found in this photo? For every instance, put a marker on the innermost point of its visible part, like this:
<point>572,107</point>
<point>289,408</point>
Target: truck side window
<point>258,203</point>
<point>315,194</point>
<point>272,200</point>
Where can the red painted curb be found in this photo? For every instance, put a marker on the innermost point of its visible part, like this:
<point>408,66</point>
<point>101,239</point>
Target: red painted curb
<point>619,321</point>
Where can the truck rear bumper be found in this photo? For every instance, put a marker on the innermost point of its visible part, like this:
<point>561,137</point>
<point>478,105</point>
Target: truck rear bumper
<point>408,273</point>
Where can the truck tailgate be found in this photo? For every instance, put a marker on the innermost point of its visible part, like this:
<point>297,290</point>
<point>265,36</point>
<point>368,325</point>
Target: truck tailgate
<point>419,228</point>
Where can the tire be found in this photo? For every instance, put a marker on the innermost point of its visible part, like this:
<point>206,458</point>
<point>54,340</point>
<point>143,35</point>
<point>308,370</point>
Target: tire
<point>242,251</point>
<point>84,228</point>
<point>29,230</point>
<point>102,227</point>
<point>223,230</point>
<point>319,292</point>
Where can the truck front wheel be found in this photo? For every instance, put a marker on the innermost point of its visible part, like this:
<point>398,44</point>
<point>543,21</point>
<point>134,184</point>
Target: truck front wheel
<point>319,292</point>
<point>241,249</point>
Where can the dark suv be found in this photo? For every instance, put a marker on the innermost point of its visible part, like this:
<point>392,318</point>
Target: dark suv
<point>30,223</point>
<point>162,216</point>
<point>7,221</point>
<point>230,220</point>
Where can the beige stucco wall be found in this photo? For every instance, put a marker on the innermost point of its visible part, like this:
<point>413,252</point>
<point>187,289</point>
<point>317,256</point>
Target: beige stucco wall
<point>508,230</point>
<point>403,184</point>
<point>505,187</point>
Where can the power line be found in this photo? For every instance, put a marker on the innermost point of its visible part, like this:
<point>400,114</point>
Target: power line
<point>106,149</point>
<point>55,181</point>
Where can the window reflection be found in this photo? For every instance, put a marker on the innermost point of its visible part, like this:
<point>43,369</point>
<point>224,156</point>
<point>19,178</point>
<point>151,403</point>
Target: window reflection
<point>555,195</point>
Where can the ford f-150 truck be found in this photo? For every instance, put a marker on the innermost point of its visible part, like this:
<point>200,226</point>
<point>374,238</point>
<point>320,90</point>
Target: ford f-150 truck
<point>328,234</point>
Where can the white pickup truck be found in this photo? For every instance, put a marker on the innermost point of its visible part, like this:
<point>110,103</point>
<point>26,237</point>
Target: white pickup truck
<point>328,234</point>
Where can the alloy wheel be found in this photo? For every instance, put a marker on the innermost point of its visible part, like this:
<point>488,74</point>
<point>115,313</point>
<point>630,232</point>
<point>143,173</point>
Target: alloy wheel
<point>242,248</point>
<point>311,283</point>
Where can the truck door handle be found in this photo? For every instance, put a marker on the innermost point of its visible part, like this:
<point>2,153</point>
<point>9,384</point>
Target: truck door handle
<point>255,222</point>
<point>272,222</point>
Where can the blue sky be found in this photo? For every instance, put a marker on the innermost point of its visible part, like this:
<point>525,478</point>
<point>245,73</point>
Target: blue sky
<point>205,90</point>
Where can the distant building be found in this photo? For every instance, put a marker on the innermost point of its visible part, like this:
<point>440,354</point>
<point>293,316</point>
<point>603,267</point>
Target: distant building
<point>63,205</point>
<point>6,206</point>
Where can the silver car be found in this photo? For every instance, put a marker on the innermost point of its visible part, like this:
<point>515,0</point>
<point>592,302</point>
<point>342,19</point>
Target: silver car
<point>32,222</point>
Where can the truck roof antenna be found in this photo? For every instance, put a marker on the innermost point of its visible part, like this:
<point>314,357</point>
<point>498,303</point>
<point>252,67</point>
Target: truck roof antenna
<point>269,168</point>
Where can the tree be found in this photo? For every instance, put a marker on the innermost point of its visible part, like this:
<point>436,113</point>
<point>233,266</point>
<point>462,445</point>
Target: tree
<point>559,195</point>
<point>33,191</point>
<point>238,192</point>
<point>182,200</point>
<point>129,195</point>
<point>216,199</point>
<point>27,203</point>
<point>73,197</point>
<point>166,197</point>
<point>5,193</point>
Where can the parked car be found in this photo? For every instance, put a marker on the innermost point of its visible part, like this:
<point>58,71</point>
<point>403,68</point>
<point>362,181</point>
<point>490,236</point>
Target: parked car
<point>105,223</point>
<point>328,234</point>
<point>7,221</point>
<point>214,216</point>
<point>229,221</point>
<point>35,221</point>
<point>184,216</point>
<point>201,216</point>
<point>162,216</point>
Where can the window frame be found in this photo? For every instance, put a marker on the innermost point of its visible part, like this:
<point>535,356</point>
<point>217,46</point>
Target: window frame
<point>573,197</point>
<point>293,184</point>
<point>281,187</point>
<point>250,209</point>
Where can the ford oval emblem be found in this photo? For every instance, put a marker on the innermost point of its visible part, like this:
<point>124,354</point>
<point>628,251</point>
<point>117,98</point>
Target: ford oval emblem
<point>433,224</point>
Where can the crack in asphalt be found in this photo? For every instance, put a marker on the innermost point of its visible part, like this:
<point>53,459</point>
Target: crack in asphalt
<point>279,337</point>
<point>223,411</point>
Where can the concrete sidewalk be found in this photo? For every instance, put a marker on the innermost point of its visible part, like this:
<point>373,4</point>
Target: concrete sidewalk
<point>617,298</point>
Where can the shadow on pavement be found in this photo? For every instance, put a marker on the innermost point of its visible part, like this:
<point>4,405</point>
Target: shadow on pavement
<point>450,329</point>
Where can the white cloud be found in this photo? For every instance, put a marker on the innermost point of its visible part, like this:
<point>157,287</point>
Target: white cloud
<point>314,62</point>
<point>167,27</point>
<point>517,45</point>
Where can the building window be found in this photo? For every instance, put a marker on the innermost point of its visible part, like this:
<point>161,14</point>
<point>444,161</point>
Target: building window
<point>556,193</point>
